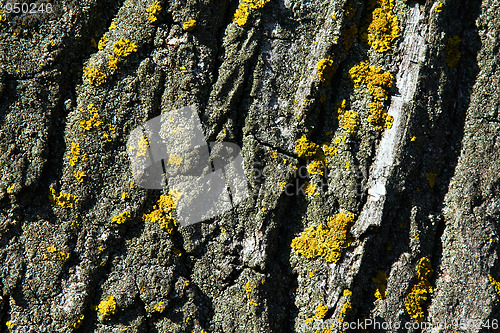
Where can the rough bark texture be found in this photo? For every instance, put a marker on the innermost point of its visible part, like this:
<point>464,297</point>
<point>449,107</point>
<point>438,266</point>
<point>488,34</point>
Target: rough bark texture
<point>427,187</point>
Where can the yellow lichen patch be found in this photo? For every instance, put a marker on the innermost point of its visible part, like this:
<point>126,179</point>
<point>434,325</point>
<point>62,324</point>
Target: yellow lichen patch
<point>380,281</point>
<point>326,69</point>
<point>107,307</point>
<point>305,148</point>
<point>452,51</point>
<point>438,7</point>
<point>378,118</point>
<point>326,241</point>
<point>125,196</point>
<point>349,34</point>
<point>186,283</point>
<point>102,43</point>
<point>80,176</point>
<point>78,322</point>
<point>383,28</point>
<point>65,200</point>
<point>189,25</point>
<point>9,323</point>
<point>349,121</point>
<point>174,159</point>
<point>329,150</point>
<point>124,47</point>
<point>317,167</point>
<point>72,160</point>
<point>121,218</point>
<point>93,76</point>
<point>310,189</point>
<point>431,179</point>
<point>10,188</point>
<point>142,146</point>
<point>96,121</point>
<point>346,308</point>
<point>153,11</point>
<point>256,4</point>
<point>112,26</point>
<point>75,148</point>
<point>159,307</point>
<point>273,154</point>
<point>241,15</point>
<point>377,81</point>
<point>52,249</point>
<point>63,256</point>
<point>321,310</point>
<point>2,16</point>
<point>162,214</point>
<point>495,284</point>
<point>113,62</point>
<point>420,291</point>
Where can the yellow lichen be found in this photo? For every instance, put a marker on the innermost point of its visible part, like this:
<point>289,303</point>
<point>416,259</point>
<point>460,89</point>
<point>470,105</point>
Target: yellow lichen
<point>72,160</point>
<point>495,284</point>
<point>142,146</point>
<point>124,47</point>
<point>112,26</point>
<point>452,51</point>
<point>378,83</point>
<point>256,4</point>
<point>174,159</point>
<point>94,76</point>
<point>10,188</point>
<point>107,307</point>
<point>9,323</point>
<point>317,167</point>
<point>189,25</point>
<point>378,117</point>
<point>438,7</point>
<point>121,218</point>
<point>75,148</point>
<point>102,43</point>
<point>162,212</point>
<point>420,291</point>
<point>326,69</point>
<point>113,62</point>
<point>305,148</point>
<point>63,256</point>
<point>349,121</point>
<point>78,322</point>
<point>326,241</point>
<point>153,11</point>
<point>125,196</point>
<point>241,14</point>
<point>329,150</point>
<point>346,308</point>
<point>309,189</point>
<point>80,175</point>
<point>380,281</point>
<point>383,28</point>
<point>65,200</point>
<point>2,16</point>
<point>52,249</point>
<point>159,307</point>
<point>320,311</point>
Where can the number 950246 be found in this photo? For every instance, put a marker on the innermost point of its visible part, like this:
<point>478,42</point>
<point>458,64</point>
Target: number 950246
<point>27,8</point>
